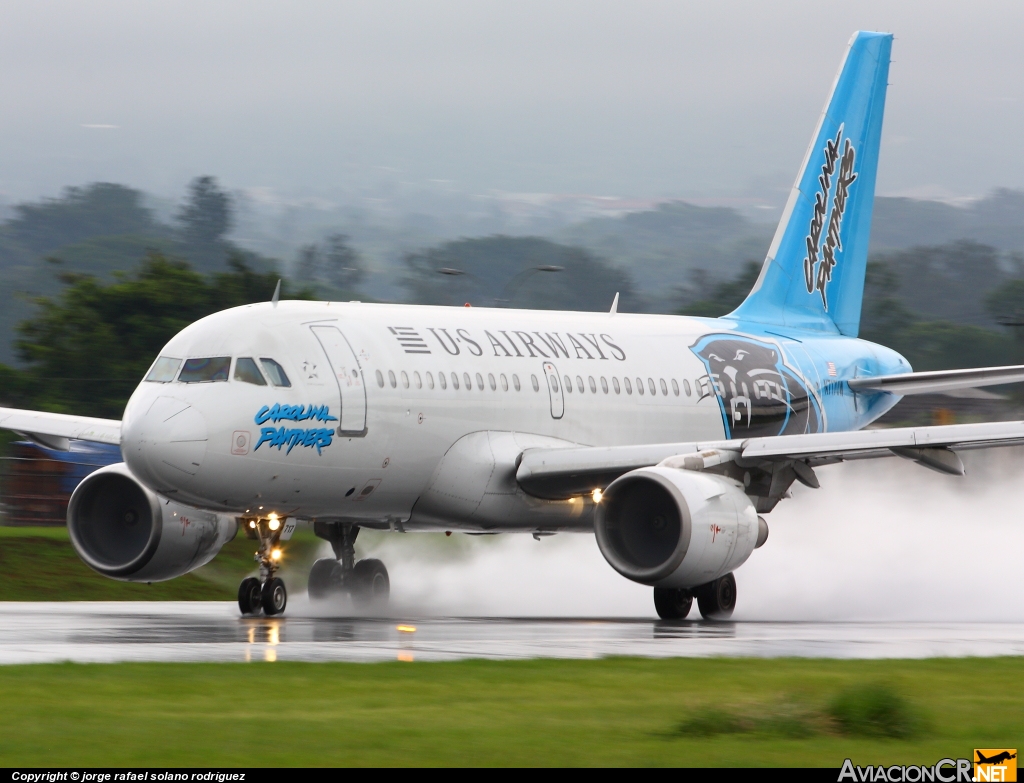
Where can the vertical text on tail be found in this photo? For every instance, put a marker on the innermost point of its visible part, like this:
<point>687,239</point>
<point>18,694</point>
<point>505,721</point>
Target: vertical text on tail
<point>813,276</point>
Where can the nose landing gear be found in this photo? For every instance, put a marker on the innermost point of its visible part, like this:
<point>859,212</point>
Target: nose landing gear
<point>268,592</point>
<point>366,582</point>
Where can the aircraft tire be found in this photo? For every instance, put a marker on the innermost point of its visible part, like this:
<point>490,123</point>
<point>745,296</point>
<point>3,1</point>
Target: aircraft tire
<point>672,603</point>
<point>325,579</point>
<point>250,597</point>
<point>274,597</point>
<point>717,599</point>
<point>371,586</point>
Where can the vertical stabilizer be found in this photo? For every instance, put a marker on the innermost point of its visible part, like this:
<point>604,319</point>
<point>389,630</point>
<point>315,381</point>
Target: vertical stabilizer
<point>813,276</point>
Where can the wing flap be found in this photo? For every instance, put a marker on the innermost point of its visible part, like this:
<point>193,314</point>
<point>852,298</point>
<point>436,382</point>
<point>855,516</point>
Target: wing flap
<point>564,473</point>
<point>55,429</point>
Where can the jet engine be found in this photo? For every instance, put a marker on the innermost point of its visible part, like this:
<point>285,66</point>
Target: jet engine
<point>668,527</point>
<point>125,531</point>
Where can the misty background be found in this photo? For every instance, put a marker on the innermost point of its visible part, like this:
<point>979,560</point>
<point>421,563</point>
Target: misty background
<point>164,160</point>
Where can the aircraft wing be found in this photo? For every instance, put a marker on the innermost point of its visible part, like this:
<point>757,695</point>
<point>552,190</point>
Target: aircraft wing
<point>564,473</point>
<point>939,381</point>
<point>54,430</point>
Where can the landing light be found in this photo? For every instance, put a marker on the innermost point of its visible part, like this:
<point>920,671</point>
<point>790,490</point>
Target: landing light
<point>405,628</point>
<point>252,523</point>
<point>598,494</point>
<point>274,523</point>
<point>275,554</point>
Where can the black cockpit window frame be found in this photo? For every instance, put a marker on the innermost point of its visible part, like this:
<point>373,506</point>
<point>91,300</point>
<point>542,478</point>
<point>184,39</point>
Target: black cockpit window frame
<point>247,371</point>
<point>205,369</point>
<point>275,372</point>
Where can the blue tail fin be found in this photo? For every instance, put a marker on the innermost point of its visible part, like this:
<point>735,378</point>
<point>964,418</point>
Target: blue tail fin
<point>813,277</point>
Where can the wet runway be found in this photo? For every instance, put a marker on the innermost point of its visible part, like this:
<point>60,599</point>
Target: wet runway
<point>213,631</point>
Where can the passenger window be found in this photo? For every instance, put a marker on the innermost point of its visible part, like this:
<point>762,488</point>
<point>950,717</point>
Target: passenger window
<point>275,372</point>
<point>490,380</point>
<point>405,380</point>
<point>615,384</point>
<point>675,387</point>
<point>553,379</point>
<point>205,370</point>
<point>604,385</point>
<point>469,381</point>
<point>504,382</point>
<point>391,379</point>
<point>247,372</point>
<point>430,380</point>
<point>442,381</point>
<point>629,386</point>
<point>419,381</point>
<point>380,379</point>
<point>568,383</point>
<point>593,384</point>
<point>455,381</point>
<point>686,387</point>
<point>579,384</point>
<point>163,370</point>
<point>652,387</point>
<point>640,386</point>
<point>664,387</point>
<point>479,382</point>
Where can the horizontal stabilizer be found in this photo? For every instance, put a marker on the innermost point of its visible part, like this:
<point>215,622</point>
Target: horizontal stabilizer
<point>940,380</point>
<point>55,429</point>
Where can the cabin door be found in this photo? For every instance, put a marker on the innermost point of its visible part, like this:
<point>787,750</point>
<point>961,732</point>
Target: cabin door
<point>555,390</point>
<point>349,377</point>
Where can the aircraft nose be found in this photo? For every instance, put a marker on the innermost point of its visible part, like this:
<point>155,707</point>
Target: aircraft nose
<point>168,442</point>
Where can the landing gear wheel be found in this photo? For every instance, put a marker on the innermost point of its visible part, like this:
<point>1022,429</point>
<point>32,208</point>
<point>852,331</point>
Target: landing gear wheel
<point>717,599</point>
<point>250,596</point>
<point>672,603</point>
<point>325,579</point>
<point>370,584</point>
<point>275,597</point>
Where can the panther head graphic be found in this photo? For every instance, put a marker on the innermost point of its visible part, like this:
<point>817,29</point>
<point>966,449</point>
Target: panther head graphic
<point>758,393</point>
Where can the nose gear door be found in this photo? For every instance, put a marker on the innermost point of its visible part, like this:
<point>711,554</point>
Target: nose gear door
<point>349,377</point>
<point>555,390</point>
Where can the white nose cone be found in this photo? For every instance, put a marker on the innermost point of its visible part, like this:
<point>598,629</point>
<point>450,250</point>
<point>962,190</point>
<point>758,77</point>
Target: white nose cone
<point>171,438</point>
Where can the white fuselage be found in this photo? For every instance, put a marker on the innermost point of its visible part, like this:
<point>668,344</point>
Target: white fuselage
<point>373,373</point>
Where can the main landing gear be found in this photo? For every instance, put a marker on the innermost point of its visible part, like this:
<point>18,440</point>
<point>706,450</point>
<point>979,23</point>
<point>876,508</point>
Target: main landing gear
<point>267,593</point>
<point>716,600</point>
<point>366,581</point>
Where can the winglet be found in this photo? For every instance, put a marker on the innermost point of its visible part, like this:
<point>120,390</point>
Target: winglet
<point>615,304</point>
<point>277,293</point>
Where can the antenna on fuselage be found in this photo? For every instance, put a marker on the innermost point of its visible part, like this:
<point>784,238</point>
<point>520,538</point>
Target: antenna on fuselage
<point>277,293</point>
<point>615,304</point>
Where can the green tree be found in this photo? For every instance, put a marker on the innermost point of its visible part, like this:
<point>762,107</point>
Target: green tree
<point>507,272</point>
<point>334,264</point>
<point>86,350</point>
<point>725,296</point>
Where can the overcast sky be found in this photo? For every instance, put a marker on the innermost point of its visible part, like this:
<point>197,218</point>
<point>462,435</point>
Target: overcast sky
<point>633,99</point>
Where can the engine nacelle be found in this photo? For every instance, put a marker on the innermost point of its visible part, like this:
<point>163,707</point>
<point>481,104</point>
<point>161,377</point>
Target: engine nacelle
<point>125,531</point>
<point>675,528</point>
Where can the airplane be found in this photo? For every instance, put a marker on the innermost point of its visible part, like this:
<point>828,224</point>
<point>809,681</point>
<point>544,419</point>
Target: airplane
<point>996,759</point>
<point>670,438</point>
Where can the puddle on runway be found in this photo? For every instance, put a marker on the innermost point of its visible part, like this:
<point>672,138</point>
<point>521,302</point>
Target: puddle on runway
<point>209,631</point>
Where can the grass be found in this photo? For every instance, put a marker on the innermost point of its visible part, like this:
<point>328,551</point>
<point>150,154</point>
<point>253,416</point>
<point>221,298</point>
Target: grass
<point>619,711</point>
<point>39,564</point>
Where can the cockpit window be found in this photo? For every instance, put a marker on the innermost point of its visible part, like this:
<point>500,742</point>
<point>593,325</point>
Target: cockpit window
<point>205,370</point>
<point>275,372</point>
<point>247,371</point>
<point>163,370</point>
